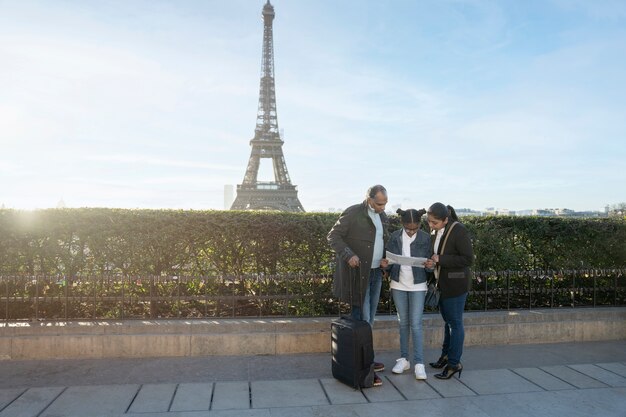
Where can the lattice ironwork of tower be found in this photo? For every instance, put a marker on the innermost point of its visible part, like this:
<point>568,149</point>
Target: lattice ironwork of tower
<point>279,194</point>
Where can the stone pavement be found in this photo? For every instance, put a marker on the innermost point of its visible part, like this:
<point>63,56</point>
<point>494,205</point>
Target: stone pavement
<point>566,379</point>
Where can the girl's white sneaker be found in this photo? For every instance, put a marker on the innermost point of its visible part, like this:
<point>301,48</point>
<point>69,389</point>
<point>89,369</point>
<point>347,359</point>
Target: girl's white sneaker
<point>401,366</point>
<point>420,372</point>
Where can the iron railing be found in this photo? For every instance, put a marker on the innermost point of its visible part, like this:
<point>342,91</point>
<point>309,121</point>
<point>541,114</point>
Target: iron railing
<point>61,298</point>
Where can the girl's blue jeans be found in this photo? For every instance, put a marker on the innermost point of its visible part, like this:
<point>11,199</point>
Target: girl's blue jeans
<point>410,308</point>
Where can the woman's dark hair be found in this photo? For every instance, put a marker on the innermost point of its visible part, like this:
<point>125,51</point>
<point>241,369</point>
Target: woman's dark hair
<point>411,215</point>
<point>441,212</point>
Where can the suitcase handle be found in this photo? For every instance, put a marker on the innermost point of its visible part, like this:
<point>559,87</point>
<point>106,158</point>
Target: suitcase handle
<point>353,271</point>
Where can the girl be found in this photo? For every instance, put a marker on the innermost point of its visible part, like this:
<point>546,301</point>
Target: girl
<point>408,288</point>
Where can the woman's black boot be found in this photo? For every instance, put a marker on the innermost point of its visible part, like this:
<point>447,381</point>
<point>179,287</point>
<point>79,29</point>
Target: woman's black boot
<point>441,362</point>
<point>449,371</point>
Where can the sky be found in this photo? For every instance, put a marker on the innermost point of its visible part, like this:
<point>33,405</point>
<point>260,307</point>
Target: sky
<point>474,103</point>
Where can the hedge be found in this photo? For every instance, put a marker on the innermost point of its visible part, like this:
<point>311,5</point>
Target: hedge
<point>98,241</point>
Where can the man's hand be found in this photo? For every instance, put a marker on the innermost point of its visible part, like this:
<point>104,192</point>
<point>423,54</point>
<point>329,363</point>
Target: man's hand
<point>354,261</point>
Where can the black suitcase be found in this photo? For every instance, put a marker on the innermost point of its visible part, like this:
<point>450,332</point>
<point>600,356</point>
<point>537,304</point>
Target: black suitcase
<point>352,350</point>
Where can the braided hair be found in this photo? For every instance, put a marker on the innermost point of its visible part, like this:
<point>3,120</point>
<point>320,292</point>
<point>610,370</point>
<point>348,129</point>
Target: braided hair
<point>411,215</point>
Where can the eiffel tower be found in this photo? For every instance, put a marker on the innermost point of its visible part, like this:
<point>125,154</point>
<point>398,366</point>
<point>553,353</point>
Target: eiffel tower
<point>279,194</point>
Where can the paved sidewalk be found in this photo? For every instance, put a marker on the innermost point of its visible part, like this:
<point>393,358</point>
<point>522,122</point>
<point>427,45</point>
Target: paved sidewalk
<point>572,379</point>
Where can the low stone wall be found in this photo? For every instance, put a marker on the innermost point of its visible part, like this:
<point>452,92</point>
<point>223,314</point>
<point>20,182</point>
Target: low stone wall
<point>269,336</point>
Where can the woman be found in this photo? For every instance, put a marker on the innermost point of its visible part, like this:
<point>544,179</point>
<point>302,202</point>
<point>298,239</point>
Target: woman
<point>452,257</point>
<point>408,288</point>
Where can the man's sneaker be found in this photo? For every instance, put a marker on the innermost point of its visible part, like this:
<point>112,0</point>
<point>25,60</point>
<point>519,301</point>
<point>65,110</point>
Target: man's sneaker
<point>377,381</point>
<point>420,372</point>
<point>401,366</point>
<point>379,367</point>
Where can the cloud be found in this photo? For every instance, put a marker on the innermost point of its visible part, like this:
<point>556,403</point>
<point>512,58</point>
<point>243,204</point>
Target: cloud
<point>611,10</point>
<point>145,160</point>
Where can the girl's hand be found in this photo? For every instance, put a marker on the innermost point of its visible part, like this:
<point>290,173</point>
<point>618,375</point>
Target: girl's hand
<point>384,263</point>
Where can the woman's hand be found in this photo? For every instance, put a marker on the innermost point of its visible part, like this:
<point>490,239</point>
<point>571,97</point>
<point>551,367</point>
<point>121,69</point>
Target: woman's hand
<point>432,262</point>
<point>384,263</point>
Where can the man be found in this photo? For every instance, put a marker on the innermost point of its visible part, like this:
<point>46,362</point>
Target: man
<point>358,238</point>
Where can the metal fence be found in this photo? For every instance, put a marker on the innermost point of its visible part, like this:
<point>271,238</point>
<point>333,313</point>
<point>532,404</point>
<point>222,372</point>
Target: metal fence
<point>147,297</point>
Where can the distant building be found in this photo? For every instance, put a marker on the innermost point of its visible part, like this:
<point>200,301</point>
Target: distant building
<point>491,211</point>
<point>229,196</point>
<point>467,212</point>
<point>560,212</point>
<point>616,210</point>
<point>563,212</point>
<point>588,214</point>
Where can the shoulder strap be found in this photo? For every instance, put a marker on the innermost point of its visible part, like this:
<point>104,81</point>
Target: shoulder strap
<point>443,247</point>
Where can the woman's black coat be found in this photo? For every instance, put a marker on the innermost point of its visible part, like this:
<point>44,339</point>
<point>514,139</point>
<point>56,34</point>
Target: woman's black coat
<point>454,275</point>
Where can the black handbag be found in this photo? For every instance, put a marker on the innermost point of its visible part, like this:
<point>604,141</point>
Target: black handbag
<point>433,294</point>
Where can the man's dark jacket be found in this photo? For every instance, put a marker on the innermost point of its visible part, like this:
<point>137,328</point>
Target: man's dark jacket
<point>354,234</point>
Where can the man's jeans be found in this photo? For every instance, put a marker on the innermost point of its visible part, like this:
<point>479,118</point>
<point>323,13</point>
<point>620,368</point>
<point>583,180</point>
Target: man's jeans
<point>410,307</point>
<point>372,295</point>
<point>451,310</point>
